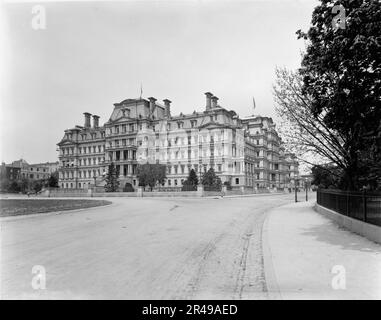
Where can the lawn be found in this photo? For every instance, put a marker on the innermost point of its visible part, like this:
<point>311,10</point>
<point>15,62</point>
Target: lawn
<point>16,207</point>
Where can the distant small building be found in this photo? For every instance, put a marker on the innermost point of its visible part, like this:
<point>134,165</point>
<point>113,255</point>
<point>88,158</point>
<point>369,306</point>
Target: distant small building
<point>9,172</point>
<point>20,169</point>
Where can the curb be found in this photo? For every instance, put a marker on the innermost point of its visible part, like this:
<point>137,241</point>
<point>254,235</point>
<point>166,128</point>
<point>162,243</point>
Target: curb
<point>369,231</point>
<point>273,290</point>
<point>51,213</point>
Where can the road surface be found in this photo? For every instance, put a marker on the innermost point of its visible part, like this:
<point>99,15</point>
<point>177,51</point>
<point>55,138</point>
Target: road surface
<point>141,248</point>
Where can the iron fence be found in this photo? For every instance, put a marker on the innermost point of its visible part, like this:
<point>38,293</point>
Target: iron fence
<point>365,206</point>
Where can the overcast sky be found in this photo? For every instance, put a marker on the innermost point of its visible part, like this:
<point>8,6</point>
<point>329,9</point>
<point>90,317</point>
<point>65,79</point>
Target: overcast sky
<point>93,54</point>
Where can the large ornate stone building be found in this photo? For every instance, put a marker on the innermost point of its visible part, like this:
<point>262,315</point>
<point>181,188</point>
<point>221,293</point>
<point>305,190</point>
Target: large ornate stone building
<point>246,152</point>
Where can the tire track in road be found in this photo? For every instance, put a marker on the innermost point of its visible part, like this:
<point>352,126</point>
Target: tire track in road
<point>196,259</point>
<point>250,274</point>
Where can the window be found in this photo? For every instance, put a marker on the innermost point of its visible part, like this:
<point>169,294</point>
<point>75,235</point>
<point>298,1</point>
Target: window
<point>236,180</point>
<point>219,167</point>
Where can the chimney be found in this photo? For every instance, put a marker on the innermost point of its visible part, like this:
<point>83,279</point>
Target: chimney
<point>208,100</point>
<point>87,119</point>
<point>214,102</point>
<point>167,104</point>
<point>95,121</point>
<point>151,104</point>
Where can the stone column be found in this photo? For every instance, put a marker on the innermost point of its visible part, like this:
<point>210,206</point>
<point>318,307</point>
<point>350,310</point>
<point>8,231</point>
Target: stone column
<point>200,190</point>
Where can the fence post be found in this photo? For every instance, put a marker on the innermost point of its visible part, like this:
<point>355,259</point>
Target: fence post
<point>364,202</point>
<point>347,203</point>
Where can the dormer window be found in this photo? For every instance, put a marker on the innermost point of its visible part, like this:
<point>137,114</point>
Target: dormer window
<point>126,113</point>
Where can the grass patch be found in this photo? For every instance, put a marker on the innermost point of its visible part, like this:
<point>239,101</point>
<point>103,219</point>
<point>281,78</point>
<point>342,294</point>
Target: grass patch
<point>16,207</point>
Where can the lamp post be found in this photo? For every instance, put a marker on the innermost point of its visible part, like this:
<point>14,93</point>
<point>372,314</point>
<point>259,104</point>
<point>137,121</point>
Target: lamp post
<point>296,188</point>
<point>306,187</point>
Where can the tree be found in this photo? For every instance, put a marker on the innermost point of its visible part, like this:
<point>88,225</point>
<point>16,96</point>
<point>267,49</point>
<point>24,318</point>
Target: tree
<point>190,184</point>
<point>151,174</point>
<point>4,184</point>
<point>303,131</point>
<point>14,186</point>
<point>53,180</point>
<point>341,75</point>
<point>112,181</point>
<point>211,180</point>
<point>24,185</point>
<point>192,178</point>
<point>37,185</point>
<point>323,178</point>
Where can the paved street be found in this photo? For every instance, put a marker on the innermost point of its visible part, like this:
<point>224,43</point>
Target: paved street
<point>141,248</point>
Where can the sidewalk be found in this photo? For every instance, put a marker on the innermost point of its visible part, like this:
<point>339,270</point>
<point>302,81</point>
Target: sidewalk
<point>300,249</point>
